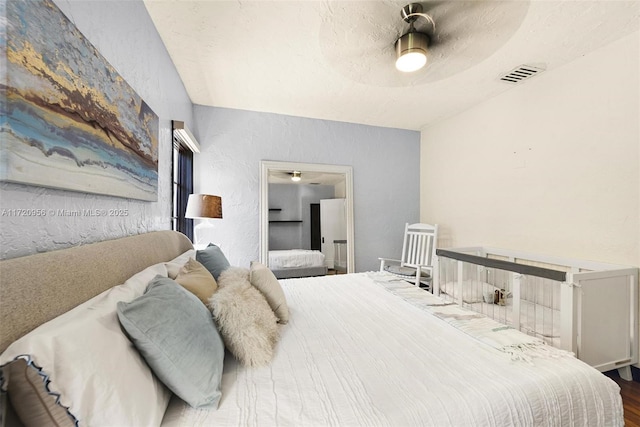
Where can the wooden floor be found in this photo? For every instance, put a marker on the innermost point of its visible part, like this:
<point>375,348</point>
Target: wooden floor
<point>630,391</point>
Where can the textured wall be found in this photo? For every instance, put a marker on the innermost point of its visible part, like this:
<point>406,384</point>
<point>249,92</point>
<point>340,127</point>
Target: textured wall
<point>385,175</point>
<point>551,166</point>
<point>124,34</point>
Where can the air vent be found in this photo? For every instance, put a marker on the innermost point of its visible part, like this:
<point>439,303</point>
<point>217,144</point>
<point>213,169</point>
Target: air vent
<point>521,73</point>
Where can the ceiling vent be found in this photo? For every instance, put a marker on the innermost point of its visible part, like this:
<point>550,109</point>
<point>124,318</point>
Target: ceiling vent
<point>521,73</point>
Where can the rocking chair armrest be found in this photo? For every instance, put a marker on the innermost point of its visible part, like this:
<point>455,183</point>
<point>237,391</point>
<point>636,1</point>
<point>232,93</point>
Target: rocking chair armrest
<point>424,267</point>
<point>386,261</point>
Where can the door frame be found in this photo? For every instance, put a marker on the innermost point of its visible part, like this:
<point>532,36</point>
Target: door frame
<point>267,166</point>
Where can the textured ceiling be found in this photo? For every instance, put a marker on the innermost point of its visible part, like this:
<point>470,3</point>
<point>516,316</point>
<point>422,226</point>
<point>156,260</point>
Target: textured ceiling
<point>334,60</point>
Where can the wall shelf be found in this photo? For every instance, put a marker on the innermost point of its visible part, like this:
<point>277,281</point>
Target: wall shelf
<point>282,221</point>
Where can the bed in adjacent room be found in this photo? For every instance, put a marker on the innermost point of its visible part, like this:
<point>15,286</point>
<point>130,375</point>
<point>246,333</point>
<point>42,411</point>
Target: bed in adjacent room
<point>293,263</point>
<point>360,349</point>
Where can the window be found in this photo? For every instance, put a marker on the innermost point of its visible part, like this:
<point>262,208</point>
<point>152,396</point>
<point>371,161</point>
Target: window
<point>182,171</point>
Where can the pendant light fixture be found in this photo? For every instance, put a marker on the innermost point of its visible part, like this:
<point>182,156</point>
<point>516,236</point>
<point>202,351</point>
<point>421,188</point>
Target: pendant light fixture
<point>412,47</point>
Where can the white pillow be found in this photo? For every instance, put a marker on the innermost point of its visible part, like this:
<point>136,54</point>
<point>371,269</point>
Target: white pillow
<point>174,266</point>
<point>96,371</point>
<point>263,279</point>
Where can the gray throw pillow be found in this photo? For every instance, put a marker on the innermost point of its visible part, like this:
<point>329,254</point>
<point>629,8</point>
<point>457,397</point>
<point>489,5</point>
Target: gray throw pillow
<point>213,259</point>
<point>178,338</point>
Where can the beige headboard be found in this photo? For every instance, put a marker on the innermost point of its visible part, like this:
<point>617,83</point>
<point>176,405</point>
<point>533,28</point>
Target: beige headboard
<point>36,288</point>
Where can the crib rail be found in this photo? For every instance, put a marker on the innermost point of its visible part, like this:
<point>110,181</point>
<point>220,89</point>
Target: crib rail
<point>547,273</point>
<point>588,308</point>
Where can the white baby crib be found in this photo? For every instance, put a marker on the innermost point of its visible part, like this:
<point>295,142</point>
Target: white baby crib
<point>586,307</point>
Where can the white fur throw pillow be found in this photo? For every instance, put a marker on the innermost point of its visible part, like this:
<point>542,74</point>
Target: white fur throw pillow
<point>245,320</point>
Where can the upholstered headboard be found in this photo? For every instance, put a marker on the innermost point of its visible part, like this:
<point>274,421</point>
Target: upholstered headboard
<point>36,288</point>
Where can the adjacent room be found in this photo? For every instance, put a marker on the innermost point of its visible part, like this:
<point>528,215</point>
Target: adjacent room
<point>307,222</point>
<point>346,213</point>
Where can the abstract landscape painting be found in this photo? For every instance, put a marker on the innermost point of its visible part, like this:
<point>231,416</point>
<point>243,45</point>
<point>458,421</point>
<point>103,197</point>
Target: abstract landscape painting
<point>69,120</point>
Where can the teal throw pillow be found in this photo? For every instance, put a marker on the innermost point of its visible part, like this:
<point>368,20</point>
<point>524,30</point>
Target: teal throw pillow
<point>213,259</point>
<point>178,338</point>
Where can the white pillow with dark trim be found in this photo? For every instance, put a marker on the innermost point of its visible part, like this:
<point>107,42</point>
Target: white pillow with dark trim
<point>85,363</point>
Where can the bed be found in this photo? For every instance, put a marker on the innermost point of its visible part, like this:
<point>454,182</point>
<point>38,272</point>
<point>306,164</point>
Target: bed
<point>293,263</point>
<point>358,349</point>
<point>559,300</point>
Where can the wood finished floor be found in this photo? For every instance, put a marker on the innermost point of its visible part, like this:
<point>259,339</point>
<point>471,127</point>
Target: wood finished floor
<point>332,272</point>
<point>630,391</point>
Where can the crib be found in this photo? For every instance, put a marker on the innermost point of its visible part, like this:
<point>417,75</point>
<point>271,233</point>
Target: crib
<point>588,308</point>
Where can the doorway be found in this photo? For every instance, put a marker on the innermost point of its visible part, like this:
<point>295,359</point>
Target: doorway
<point>273,172</point>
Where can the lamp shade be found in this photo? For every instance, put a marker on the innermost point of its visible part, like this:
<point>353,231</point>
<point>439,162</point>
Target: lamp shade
<point>411,51</point>
<point>203,206</point>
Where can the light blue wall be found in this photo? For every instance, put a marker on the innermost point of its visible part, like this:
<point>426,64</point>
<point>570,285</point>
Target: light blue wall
<point>123,33</point>
<point>385,161</point>
<point>385,165</point>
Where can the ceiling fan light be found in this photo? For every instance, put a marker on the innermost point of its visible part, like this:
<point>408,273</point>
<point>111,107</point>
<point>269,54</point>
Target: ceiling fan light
<point>411,61</point>
<point>411,51</point>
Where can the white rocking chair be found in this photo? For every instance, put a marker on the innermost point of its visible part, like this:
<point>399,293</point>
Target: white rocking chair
<point>418,256</point>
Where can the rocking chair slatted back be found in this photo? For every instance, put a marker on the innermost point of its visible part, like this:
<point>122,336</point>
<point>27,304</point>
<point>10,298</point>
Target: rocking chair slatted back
<point>417,265</point>
<point>419,245</point>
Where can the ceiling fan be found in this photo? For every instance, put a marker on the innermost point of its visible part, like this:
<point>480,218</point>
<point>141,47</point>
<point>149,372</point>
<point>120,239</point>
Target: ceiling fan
<point>451,36</point>
<point>412,46</point>
<point>295,176</point>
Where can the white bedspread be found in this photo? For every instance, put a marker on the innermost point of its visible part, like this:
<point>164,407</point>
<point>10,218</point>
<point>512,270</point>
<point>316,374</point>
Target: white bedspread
<point>295,258</point>
<point>353,353</point>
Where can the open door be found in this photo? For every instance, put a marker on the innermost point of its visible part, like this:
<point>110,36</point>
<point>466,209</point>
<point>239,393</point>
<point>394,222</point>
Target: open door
<point>333,225</point>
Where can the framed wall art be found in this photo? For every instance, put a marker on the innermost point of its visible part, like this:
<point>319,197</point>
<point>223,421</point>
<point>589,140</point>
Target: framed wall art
<point>69,120</point>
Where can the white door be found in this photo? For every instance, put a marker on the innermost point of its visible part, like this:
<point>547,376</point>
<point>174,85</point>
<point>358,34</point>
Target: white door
<point>333,226</point>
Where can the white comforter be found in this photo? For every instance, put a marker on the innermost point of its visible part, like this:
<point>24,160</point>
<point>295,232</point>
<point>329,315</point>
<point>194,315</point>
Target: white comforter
<point>353,353</point>
<point>295,258</point>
